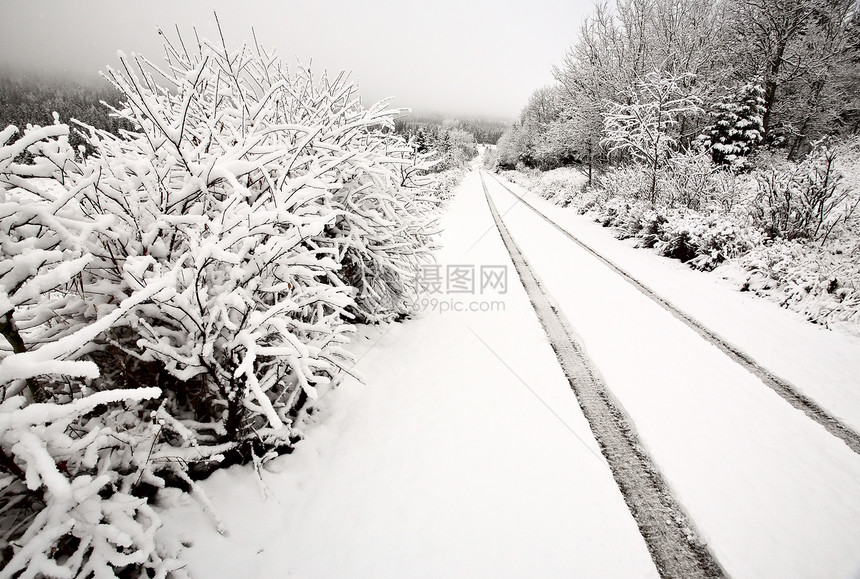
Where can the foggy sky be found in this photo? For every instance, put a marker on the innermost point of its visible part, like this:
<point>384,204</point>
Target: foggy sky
<point>481,58</point>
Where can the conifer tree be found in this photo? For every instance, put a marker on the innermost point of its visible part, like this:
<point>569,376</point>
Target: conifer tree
<point>738,128</point>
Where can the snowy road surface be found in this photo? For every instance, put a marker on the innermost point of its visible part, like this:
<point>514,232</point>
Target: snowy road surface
<point>846,366</point>
<point>676,549</point>
<point>771,491</point>
<point>465,453</point>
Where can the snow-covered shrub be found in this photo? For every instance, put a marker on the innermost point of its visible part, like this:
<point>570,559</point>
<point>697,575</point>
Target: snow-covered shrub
<point>561,185</point>
<point>706,214</point>
<point>626,181</point>
<point>821,283</point>
<point>220,251</point>
<point>705,241</point>
<point>275,203</point>
<point>847,152</point>
<point>66,483</point>
<point>803,200</point>
<point>441,186</point>
<point>623,213</point>
<point>692,179</point>
<point>69,466</point>
<point>527,178</point>
<point>43,237</point>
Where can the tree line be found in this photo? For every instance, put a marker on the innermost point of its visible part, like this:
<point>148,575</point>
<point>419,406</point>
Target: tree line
<point>451,143</point>
<point>486,132</point>
<point>29,98</point>
<point>647,78</point>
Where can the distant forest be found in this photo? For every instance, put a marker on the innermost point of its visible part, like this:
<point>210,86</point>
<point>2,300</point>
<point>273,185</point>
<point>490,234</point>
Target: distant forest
<point>486,132</point>
<point>33,98</point>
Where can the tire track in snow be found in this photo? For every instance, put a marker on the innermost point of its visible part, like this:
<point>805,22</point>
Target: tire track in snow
<point>674,546</point>
<point>782,387</point>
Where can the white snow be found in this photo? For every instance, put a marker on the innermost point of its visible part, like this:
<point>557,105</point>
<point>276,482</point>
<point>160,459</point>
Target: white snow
<point>443,464</point>
<point>771,491</point>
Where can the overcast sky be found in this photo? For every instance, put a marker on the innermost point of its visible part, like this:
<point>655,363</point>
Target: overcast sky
<point>464,57</point>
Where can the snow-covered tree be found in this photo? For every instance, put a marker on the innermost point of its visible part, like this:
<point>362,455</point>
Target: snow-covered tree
<point>463,147</point>
<point>738,126</point>
<point>645,125</point>
<point>803,50</point>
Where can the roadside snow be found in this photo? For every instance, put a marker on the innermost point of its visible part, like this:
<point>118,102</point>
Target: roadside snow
<point>771,491</point>
<point>464,455</point>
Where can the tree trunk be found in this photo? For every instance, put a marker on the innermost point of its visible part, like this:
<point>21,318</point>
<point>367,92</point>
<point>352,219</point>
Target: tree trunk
<point>771,83</point>
<point>590,163</point>
<point>655,166</point>
<point>10,332</point>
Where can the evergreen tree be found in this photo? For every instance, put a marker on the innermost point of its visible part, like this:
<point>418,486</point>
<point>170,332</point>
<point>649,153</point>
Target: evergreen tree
<point>739,126</point>
<point>421,141</point>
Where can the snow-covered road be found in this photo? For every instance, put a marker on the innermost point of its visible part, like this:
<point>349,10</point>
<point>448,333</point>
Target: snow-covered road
<point>772,492</point>
<point>676,549</point>
<point>821,364</point>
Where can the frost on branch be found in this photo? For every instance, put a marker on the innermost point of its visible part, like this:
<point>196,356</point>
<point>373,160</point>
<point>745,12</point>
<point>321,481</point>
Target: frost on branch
<point>68,469</point>
<point>67,508</point>
<point>42,234</point>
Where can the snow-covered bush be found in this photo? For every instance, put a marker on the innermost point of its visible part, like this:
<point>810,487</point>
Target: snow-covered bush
<point>702,239</point>
<point>821,283</point>
<point>43,237</point>
<point>705,241</point>
<point>523,178</point>
<point>276,204</point>
<point>221,252</point>
<point>848,163</point>
<point>706,215</point>
<point>561,184</point>
<point>441,187</point>
<point>66,489</point>
<point>803,200</point>
<point>69,466</point>
<point>691,179</point>
<point>627,181</point>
